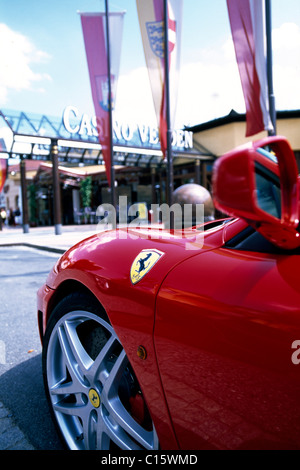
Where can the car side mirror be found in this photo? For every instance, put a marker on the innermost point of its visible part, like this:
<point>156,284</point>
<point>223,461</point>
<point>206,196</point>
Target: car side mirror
<point>259,183</point>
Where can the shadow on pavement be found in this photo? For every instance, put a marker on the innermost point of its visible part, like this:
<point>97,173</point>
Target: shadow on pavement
<point>22,392</point>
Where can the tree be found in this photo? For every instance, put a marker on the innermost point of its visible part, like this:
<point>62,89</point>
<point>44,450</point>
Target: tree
<point>86,192</point>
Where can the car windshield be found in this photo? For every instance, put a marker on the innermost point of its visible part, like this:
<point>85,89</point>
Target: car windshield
<point>270,155</point>
<point>268,190</point>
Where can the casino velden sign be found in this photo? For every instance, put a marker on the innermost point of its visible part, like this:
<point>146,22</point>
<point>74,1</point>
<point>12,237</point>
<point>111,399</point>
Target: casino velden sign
<point>136,135</point>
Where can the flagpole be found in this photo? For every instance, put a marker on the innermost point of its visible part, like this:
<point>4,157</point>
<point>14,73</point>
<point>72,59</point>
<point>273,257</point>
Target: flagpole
<point>112,170</point>
<point>170,178</point>
<point>270,66</point>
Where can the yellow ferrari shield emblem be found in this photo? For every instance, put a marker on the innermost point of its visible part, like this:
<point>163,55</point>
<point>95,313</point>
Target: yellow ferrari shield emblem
<point>94,398</point>
<point>142,264</point>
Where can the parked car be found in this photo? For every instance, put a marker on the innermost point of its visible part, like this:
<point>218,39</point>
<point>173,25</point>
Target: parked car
<point>184,339</point>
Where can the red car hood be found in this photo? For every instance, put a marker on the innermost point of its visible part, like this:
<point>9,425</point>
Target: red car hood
<point>112,253</point>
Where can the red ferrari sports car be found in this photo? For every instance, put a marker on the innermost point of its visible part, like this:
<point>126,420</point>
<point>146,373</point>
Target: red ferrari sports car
<point>184,339</point>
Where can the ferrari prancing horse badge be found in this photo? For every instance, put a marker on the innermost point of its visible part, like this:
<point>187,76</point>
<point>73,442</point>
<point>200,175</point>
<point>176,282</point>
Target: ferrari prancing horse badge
<point>142,264</point>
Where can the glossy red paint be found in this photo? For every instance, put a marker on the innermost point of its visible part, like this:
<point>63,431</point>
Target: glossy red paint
<point>221,352</point>
<point>226,362</point>
<point>217,322</point>
<point>102,264</point>
<point>236,192</point>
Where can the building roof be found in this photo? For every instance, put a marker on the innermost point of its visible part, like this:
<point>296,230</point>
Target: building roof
<point>30,165</point>
<point>36,167</point>
<point>233,117</point>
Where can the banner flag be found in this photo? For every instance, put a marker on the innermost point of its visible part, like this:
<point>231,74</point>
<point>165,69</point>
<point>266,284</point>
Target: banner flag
<point>247,26</point>
<point>94,33</point>
<point>3,166</point>
<point>151,19</point>
<point>3,172</point>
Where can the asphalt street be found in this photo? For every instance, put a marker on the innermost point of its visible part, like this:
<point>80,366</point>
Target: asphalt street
<point>25,421</point>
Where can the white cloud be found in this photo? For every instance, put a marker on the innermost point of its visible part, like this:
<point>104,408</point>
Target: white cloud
<point>134,100</point>
<point>286,63</point>
<point>210,86</point>
<point>17,54</point>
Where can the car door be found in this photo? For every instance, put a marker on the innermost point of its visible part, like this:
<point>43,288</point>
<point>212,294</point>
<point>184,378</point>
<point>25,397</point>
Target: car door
<point>226,322</point>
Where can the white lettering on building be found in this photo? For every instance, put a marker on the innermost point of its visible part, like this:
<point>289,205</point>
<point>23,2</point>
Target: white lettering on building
<point>91,126</point>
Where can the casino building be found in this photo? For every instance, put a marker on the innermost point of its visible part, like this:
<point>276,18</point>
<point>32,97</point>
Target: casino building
<point>51,158</point>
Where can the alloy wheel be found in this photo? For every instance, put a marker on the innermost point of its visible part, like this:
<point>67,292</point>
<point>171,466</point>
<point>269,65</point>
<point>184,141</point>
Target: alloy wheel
<point>92,388</point>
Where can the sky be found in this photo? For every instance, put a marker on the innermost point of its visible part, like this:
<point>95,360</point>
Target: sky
<point>43,66</point>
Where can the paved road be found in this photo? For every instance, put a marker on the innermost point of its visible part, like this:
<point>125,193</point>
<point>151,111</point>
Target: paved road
<point>25,422</point>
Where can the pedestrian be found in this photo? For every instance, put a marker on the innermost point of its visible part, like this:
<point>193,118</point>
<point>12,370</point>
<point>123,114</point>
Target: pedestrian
<point>17,215</point>
<point>11,218</point>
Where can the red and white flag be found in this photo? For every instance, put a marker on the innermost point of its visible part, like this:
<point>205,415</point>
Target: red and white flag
<point>248,33</point>
<point>151,19</point>
<point>94,33</point>
<point>3,166</point>
<point>3,172</point>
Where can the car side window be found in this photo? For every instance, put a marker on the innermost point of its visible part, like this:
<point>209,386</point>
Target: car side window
<point>251,240</point>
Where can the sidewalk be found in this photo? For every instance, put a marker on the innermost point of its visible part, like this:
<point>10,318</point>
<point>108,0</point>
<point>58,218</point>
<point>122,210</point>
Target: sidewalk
<point>11,436</point>
<point>45,238</point>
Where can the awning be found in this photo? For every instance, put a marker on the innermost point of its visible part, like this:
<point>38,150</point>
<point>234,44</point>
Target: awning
<point>31,136</point>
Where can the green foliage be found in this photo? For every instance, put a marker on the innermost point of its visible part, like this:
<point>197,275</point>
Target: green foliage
<point>86,191</point>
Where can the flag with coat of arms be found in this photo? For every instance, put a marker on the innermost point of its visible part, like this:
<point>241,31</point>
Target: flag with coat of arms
<point>94,33</point>
<point>151,20</point>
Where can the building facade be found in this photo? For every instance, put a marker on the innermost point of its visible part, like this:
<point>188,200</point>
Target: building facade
<point>140,170</point>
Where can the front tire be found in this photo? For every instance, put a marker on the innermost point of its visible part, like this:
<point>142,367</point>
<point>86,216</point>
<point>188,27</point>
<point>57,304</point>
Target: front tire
<point>93,394</point>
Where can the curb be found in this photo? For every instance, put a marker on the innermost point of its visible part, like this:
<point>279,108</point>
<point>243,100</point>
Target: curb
<point>11,436</point>
<point>37,247</point>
